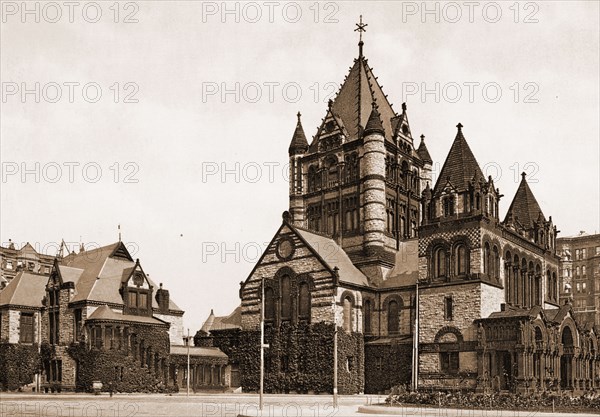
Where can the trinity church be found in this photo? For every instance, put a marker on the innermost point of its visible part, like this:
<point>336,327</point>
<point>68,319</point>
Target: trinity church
<point>424,282</point>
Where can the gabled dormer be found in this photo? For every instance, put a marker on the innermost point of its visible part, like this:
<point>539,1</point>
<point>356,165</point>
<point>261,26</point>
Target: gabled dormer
<point>136,291</point>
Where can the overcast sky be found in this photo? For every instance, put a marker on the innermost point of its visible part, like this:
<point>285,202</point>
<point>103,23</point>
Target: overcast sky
<point>191,90</point>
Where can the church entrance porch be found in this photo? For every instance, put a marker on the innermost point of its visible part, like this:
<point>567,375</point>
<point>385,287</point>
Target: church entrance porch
<point>504,368</point>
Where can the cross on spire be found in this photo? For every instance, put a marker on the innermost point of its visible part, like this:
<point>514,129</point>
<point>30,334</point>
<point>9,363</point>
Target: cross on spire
<point>360,28</point>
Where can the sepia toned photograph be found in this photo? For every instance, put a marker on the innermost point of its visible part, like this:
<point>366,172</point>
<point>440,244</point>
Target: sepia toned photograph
<point>299,208</point>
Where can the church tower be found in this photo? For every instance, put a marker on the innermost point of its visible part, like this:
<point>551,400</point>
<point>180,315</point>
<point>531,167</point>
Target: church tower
<point>360,179</point>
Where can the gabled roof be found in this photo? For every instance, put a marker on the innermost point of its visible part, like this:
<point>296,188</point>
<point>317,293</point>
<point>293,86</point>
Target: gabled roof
<point>25,289</point>
<point>212,352</point>
<point>524,207</point>
<point>406,266</point>
<point>332,255</point>
<point>460,166</point>
<point>353,102</point>
<point>232,321</point>
<point>98,274</point>
<point>104,312</point>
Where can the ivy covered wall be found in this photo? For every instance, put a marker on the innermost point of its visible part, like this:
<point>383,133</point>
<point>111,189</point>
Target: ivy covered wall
<point>125,368</point>
<point>299,358</point>
<point>386,366</point>
<point>18,365</point>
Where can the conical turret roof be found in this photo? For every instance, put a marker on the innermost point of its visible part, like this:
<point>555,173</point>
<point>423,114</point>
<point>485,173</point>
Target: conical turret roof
<point>299,144</point>
<point>524,207</point>
<point>460,166</point>
<point>423,152</point>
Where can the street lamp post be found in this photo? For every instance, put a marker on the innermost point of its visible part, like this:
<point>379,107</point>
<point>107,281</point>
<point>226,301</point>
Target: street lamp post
<point>188,362</point>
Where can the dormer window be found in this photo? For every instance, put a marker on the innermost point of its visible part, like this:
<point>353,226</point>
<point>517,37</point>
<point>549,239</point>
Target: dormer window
<point>137,302</point>
<point>449,205</point>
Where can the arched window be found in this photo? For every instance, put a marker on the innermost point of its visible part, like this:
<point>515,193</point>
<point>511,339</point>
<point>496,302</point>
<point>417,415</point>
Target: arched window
<point>367,316</point>
<point>347,315</point>
<point>449,205</point>
<point>312,179</point>
<point>554,287</point>
<point>269,304</point>
<point>331,173</point>
<point>496,267</point>
<point>286,301</point>
<point>567,337</point>
<point>393,317</point>
<point>439,263</point>
<point>486,259</point>
<point>304,301</point>
<point>460,256</point>
<point>549,284</point>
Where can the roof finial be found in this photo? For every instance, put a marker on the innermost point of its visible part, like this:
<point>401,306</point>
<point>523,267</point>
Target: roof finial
<point>459,126</point>
<point>360,28</point>
<point>523,175</point>
<point>330,104</point>
<point>422,137</point>
<point>299,115</point>
<point>403,107</point>
<point>119,228</point>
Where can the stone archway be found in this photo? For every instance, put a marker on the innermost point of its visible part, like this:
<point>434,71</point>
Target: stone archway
<point>566,359</point>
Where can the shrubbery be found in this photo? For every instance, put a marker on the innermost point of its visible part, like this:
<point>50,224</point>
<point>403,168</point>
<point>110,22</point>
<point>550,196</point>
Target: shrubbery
<point>18,365</point>
<point>505,401</point>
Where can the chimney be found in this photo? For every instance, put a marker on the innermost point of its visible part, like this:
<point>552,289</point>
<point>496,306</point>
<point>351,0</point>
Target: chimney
<point>162,298</point>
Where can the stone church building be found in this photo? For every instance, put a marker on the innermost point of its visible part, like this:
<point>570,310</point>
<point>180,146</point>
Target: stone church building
<point>399,264</point>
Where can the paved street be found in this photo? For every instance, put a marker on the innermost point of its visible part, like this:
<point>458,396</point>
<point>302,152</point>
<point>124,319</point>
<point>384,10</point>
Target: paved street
<point>219,405</point>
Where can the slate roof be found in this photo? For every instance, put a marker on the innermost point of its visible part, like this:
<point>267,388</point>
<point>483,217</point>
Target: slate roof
<point>232,321</point>
<point>353,102</point>
<point>524,207</point>
<point>106,313</point>
<point>460,167</point>
<point>198,351</point>
<point>374,124</point>
<point>333,256</point>
<point>98,273</point>
<point>299,142</point>
<point>406,266</point>
<point>25,289</point>
<point>423,152</point>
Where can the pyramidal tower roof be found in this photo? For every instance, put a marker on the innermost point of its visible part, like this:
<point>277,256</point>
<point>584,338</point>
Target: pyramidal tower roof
<point>460,166</point>
<point>524,207</point>
<point>353,103</point>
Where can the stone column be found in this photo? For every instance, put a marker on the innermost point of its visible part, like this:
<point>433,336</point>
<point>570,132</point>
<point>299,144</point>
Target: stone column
<point>516,281</point>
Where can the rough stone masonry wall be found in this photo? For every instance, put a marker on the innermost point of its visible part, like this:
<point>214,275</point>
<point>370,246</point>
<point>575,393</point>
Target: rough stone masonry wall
<point>466,308</point>
<point>373,193</point>
<point>302,261</point>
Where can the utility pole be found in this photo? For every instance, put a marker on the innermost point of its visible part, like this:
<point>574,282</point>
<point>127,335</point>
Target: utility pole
<point>335,357</point>
<point>415,355</point>
<point>263,345</point>
<point>188,362</point>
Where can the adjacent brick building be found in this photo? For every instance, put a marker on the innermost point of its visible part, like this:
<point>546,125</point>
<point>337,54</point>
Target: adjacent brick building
<point>580,274</point>
<point>26,258</point>
<point>371,247</point>
<point>98,317</point>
